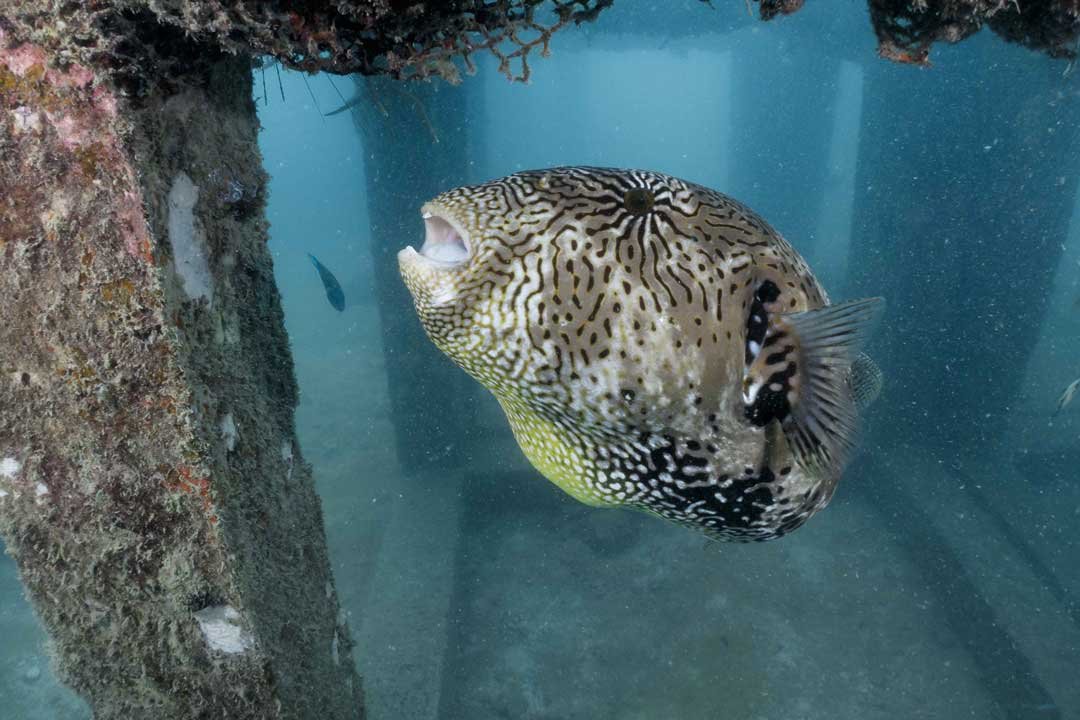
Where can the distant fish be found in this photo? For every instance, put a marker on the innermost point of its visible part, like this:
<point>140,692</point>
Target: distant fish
<point>333,289</point>
<point>347,106</point>
<point>1067,396</point>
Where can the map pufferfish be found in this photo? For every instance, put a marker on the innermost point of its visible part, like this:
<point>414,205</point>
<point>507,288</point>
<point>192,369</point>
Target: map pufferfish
<point>654,344</point>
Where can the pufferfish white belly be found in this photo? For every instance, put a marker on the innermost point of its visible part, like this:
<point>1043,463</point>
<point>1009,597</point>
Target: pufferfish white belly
<point>653,343</point>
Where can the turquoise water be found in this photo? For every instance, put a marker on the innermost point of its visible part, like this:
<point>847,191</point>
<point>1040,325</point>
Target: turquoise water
<point>942,581</point>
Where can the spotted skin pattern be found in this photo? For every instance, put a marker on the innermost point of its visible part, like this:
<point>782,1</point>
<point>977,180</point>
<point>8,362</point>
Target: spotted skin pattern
<point>608,311</point>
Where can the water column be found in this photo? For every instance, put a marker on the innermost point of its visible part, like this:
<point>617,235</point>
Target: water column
<point>613,105</point>
<point>828,256</point>
<point>416,147</point>
<point>1054,364</point>
<point>780,150</point>
<point>666,109</point>
<point>966,184</point>
<point>415,144</point>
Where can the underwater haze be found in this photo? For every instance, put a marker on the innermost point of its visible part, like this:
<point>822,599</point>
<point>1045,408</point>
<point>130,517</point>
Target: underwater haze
<point>942,580</point>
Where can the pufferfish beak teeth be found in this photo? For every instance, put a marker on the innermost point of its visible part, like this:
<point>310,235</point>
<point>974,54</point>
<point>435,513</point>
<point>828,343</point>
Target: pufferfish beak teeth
<point>445,244</point>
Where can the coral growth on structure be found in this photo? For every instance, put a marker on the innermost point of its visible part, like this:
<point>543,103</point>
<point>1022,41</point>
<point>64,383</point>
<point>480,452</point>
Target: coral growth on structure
<point>139,39</point>
<point>906,29</point>
<point>372,37</point>
<point>152,490</point>
<point>401,39</point>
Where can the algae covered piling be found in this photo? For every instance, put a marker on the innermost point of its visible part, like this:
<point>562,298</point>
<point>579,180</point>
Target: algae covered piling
<point>152,491</point>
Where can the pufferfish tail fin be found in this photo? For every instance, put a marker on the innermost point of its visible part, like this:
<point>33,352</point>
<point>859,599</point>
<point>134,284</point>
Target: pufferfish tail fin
<point>803,376</point>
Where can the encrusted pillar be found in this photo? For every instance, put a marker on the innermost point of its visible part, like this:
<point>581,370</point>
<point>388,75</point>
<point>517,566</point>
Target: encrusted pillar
<point>152,491</point>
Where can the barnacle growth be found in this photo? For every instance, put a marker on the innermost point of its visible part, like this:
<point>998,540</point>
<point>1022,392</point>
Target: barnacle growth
<point>906,29</point>
<point>372,37</point>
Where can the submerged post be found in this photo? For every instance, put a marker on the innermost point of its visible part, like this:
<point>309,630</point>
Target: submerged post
<point>152,491</point>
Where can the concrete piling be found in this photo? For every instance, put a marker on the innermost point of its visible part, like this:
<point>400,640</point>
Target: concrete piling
<point>152,492</point>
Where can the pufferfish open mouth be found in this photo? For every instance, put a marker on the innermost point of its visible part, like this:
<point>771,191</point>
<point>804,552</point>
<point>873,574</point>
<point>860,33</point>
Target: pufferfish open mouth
<point>445,244</point>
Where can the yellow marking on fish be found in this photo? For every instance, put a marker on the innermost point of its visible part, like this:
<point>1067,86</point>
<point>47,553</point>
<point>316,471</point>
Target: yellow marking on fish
<point>553,452</point>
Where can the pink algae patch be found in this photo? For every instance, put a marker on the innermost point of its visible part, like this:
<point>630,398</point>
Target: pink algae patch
<point>129,215</point>
<point>105,101</point>
<point>76,76</point>
<point>19,60</point>
<point>86,127</point>
<point>72,133</point>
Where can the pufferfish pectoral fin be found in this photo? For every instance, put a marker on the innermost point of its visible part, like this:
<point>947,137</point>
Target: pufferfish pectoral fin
<point>801,376</point>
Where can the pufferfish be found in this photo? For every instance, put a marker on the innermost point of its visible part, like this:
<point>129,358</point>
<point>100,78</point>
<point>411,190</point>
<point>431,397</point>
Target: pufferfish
<point>654,344</point>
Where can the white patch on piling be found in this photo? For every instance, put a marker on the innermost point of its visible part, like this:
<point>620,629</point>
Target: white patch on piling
<point>188,245</point>
<point>228,431</point>
<point>335,654</point>
<point>4,493</point>
<point>221,627</point>
<point>287,458</point>
<point>41,489</point>
<point>25,120</point>
<point>9,467</point>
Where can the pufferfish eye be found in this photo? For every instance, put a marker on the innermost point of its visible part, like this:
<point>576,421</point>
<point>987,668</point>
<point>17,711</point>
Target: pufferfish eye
<point>638,201</point>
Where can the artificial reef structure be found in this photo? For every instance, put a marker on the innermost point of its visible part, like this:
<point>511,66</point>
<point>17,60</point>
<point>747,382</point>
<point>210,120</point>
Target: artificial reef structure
<point>907,29</point>
<point>152,490</point>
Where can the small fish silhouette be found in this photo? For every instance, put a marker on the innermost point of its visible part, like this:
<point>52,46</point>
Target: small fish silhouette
<point>349,105</point>
<point>1067,396</point>
<point>333,289</point>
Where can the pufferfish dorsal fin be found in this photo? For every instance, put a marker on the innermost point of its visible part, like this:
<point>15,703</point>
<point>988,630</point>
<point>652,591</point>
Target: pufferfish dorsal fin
<point>801,375</point>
